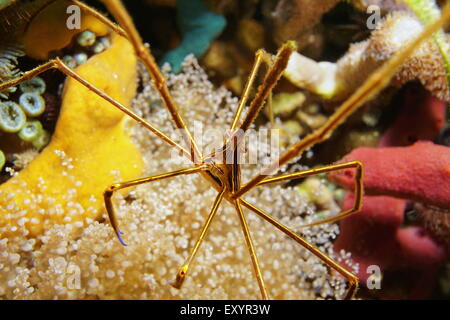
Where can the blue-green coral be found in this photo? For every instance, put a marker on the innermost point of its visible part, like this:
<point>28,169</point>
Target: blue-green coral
<point>31,131</point>
<point>12,117</point>
<point>32,103</point>
<point>35,85</point>
<point>199,26</point>
<point>86,38</point>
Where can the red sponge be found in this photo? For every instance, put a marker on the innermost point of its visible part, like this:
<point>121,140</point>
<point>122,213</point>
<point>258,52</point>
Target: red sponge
<point>419,172</point>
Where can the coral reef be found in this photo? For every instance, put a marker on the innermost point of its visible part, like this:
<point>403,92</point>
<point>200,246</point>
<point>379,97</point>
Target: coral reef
<point>56,240</point>
<point>160,222</point>
<point>386,5</point>
<point>399,175</point>
<point>36,30</point>
<point>338,80</point>
<point>20,117</point>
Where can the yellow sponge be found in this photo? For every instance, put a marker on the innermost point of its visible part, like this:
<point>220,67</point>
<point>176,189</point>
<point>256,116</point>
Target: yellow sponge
<point>89,150</point>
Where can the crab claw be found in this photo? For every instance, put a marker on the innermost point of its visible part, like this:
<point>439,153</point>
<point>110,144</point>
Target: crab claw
<point>120,238</point>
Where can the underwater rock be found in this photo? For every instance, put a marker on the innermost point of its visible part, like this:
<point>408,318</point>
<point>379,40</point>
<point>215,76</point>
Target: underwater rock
<point>295,19</point>
<point>419,172</point>
<point>219,59</point>
<point>356,138</point>
<point>313,121</point>
<point>162,3</point>
<point>251,34</point>
<point>284,104</point>
<point>427,11</point>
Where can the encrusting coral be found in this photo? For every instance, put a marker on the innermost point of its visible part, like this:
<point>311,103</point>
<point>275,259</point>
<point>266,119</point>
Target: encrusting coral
<point>427,10</point>
<point>338,80</point>
<point>295,19</point>
<point>160,222</point>
<point>55,239</point>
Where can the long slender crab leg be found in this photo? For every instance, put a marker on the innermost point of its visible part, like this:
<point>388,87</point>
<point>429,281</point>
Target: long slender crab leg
<point>101,17</point>
<point>182,273</point>
<point>252,251</point>
<point>373,85</point>
<point>359,186</point>
<point>109,192</point>
<point>59,65</point>
<point>351,278</point>
<point>143,52</point>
